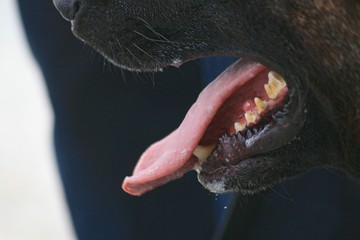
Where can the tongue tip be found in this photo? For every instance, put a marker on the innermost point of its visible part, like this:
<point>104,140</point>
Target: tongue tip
<point>133,189</point>
<point>137,187</point>
<point>141,183</point>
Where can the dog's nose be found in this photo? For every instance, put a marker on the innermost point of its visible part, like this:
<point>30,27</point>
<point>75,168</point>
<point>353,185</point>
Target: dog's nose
<point>67,8</point>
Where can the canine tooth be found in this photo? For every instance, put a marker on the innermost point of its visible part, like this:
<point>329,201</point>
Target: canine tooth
<point>239,126</point>
<point>276,79</point>
<point>250,117</point>
<point>271,92</point>
<point>260,104</point>
<point>203,152</point>
<point>275,84</point>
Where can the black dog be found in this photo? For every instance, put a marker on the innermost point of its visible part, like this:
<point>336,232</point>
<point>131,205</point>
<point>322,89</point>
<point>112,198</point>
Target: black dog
<point>289,105</point>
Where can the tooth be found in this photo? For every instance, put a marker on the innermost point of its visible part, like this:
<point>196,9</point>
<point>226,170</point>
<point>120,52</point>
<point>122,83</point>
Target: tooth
<point>271,92</point>
<point>250,117</point>
<point>260,104</point>
<point>203,152</point>
<point>197,167</point>
<point>239,126</point>
<point>275,84</point>
<point>276,79</point>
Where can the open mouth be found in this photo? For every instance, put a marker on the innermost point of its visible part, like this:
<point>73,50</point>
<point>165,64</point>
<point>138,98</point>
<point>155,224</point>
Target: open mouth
<point>249,110</point>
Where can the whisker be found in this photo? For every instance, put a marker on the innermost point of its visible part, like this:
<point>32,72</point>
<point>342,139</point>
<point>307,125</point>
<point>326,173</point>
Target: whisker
<point>282,195</point>
<point>152,78</point>
<point>138,77</point>
<point>104,64</point>
<point>133,55</point>
<point>264,197</point>
<point>123,75</point>
<point>150,39</point>
<point>143,51</point>
<point>287,192</point>
<point>155,32</point>
<point>118,43</point>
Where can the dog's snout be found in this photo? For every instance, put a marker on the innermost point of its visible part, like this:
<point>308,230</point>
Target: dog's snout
<point>67,8</point>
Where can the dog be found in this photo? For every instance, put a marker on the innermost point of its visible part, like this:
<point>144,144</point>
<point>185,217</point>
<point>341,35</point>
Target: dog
<point>288,105</point>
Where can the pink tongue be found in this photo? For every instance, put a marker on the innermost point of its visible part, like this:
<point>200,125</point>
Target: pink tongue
<point>171,157</point>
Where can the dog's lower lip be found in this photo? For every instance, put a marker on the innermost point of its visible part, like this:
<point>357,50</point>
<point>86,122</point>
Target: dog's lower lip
<point>220,157</point>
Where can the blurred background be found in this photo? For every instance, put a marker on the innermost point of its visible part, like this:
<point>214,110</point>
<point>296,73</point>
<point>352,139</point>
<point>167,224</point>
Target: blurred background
<point>31,199</point>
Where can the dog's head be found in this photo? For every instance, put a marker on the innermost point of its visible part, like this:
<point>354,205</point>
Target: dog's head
<point>290,104</point>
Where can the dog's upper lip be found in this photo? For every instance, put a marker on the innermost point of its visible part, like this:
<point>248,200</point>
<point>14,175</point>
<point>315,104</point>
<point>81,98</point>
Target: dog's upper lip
<point>172,157</point>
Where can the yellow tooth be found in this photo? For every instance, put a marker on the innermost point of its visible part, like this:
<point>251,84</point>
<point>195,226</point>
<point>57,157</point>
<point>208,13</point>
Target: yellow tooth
<point>260,104</point>
<point>250,117</point>
<point>239,126</point>
<point>272,93</point>
<point>203,152</point>
<point>276,79</point>
<point>275,84</point>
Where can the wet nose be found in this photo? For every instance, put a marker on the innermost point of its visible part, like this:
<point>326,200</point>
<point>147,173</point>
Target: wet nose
<point>67,8</point>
